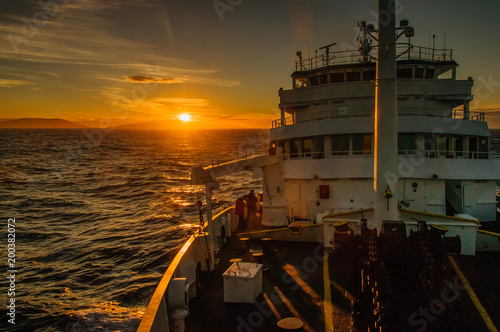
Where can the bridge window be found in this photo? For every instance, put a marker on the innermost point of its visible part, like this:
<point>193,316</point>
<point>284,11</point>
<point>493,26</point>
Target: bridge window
<point>306,147</point>
<point>301,82</point>
<point>429,73</point>
<point>336,77</point>
<point>318,147</point>
<point>323,79</point>
<point>369,75</point>
<point>458,146</point>
<point>405,72</point>
<point>353,76</point>
<point>483,147</point>
<point>442,144</point>
<point>419,72</point>
<point>342,110</point>
<point>340,145</point>
<point>407,144</point>
<point>294,148</point>
<point>362,144</point>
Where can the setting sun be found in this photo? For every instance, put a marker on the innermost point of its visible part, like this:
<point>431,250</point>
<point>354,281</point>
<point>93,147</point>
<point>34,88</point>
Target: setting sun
<point>185,117</point>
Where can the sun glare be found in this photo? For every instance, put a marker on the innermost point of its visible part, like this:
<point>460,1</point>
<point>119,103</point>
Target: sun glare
<point>185,117</point>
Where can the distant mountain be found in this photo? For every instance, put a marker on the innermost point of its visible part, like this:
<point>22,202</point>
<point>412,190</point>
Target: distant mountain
<point>105,123</point>
<point>41,123</point>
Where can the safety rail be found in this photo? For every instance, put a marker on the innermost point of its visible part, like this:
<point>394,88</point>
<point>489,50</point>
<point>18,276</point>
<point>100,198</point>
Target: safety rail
<point>473,116</point>
<point>281,123</point>
<point>157,315</point>
<point>313,116</point>
<point>446,154</point>
<point>430,154</point>
<point>353,56</point>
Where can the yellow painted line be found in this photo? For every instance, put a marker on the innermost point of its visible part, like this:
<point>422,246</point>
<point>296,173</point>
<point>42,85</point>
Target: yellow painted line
<point>473,296</point>
<point>328,308</point>
<point>281,229</point>
<point>488,232</point>
<point>441,216</point>
<point>341,214</point>
<point>292,271</point>
<point>271,305</point>
<point>292,309</point>
<point>343,291</point>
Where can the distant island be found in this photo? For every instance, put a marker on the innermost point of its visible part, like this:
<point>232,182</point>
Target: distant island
<point>56,123</point>
<point>40,123</point>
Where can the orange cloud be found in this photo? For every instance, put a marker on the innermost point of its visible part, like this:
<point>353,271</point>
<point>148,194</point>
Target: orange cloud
<point>152,79</point>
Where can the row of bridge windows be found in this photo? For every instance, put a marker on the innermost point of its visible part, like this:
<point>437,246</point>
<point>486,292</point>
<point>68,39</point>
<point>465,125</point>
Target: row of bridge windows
<point>366,75</point>
<point>433,146</point>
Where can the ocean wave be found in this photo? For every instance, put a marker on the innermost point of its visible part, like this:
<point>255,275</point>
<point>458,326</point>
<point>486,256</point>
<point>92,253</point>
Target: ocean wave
<point>98,227</point>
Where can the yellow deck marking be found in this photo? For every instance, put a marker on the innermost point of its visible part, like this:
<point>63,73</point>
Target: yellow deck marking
<point>271,305</point>
<point>292,271</point>
<point>473,296</point>
<point>292,309</point>
<point>343,291</point>
<point>328,308</point>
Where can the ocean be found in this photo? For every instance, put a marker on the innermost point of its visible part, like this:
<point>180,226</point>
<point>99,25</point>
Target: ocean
<point>98,215</point>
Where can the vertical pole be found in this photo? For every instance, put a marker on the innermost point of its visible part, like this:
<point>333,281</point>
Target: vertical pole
<point>210,227</point>
<point>466,110</point>
<point>386,122</point>
<point>433,46</point>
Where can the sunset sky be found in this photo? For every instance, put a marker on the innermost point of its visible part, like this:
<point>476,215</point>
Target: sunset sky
<point>222,62</point>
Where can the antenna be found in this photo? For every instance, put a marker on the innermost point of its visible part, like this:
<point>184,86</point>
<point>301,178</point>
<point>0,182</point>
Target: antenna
<point>327,46</point>
<point>433,45</point>
<point>327,50</point>
<point>299,54</point>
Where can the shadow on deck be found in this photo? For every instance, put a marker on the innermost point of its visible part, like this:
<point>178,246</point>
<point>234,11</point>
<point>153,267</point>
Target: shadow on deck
<point>292,286</point>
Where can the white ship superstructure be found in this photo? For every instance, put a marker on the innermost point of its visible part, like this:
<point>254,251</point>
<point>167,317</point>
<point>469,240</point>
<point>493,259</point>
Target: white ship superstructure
<point>326,138</point>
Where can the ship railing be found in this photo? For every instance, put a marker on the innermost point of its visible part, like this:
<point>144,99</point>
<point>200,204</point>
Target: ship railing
<point>281,123</point>
<point>408,51</point>
<point>431,154</point>
<point>238,155</point>
<point>447,154</point>
<point>305,155</point>
<point>473,116</point>
<point>328,154</point>
<point>185,265</point>
<point>312,116</point>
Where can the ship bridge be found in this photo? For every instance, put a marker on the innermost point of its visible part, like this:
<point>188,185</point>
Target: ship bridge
<point>342,84</point>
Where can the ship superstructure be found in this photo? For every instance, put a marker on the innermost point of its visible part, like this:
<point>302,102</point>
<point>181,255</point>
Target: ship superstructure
<point>326,137</point>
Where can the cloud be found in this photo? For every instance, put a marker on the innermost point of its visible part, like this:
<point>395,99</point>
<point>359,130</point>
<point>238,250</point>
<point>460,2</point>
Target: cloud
<point>152,79</point>
<point>197,102</point>
<point>214,81</point>
<point>6,83</point>
<point>186,79</point>
<point>140,104</point>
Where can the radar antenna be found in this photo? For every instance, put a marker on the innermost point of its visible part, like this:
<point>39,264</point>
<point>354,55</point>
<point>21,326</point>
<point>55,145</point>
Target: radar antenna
<point>365,41</point>
<point>327,52</point>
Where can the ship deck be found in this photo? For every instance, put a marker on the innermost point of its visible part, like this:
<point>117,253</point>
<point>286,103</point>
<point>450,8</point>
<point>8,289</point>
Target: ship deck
<point>292,286</point>
<point>303,280</point>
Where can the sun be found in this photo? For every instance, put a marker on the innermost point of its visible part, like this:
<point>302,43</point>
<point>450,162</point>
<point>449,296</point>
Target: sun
<point>185,117</point>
